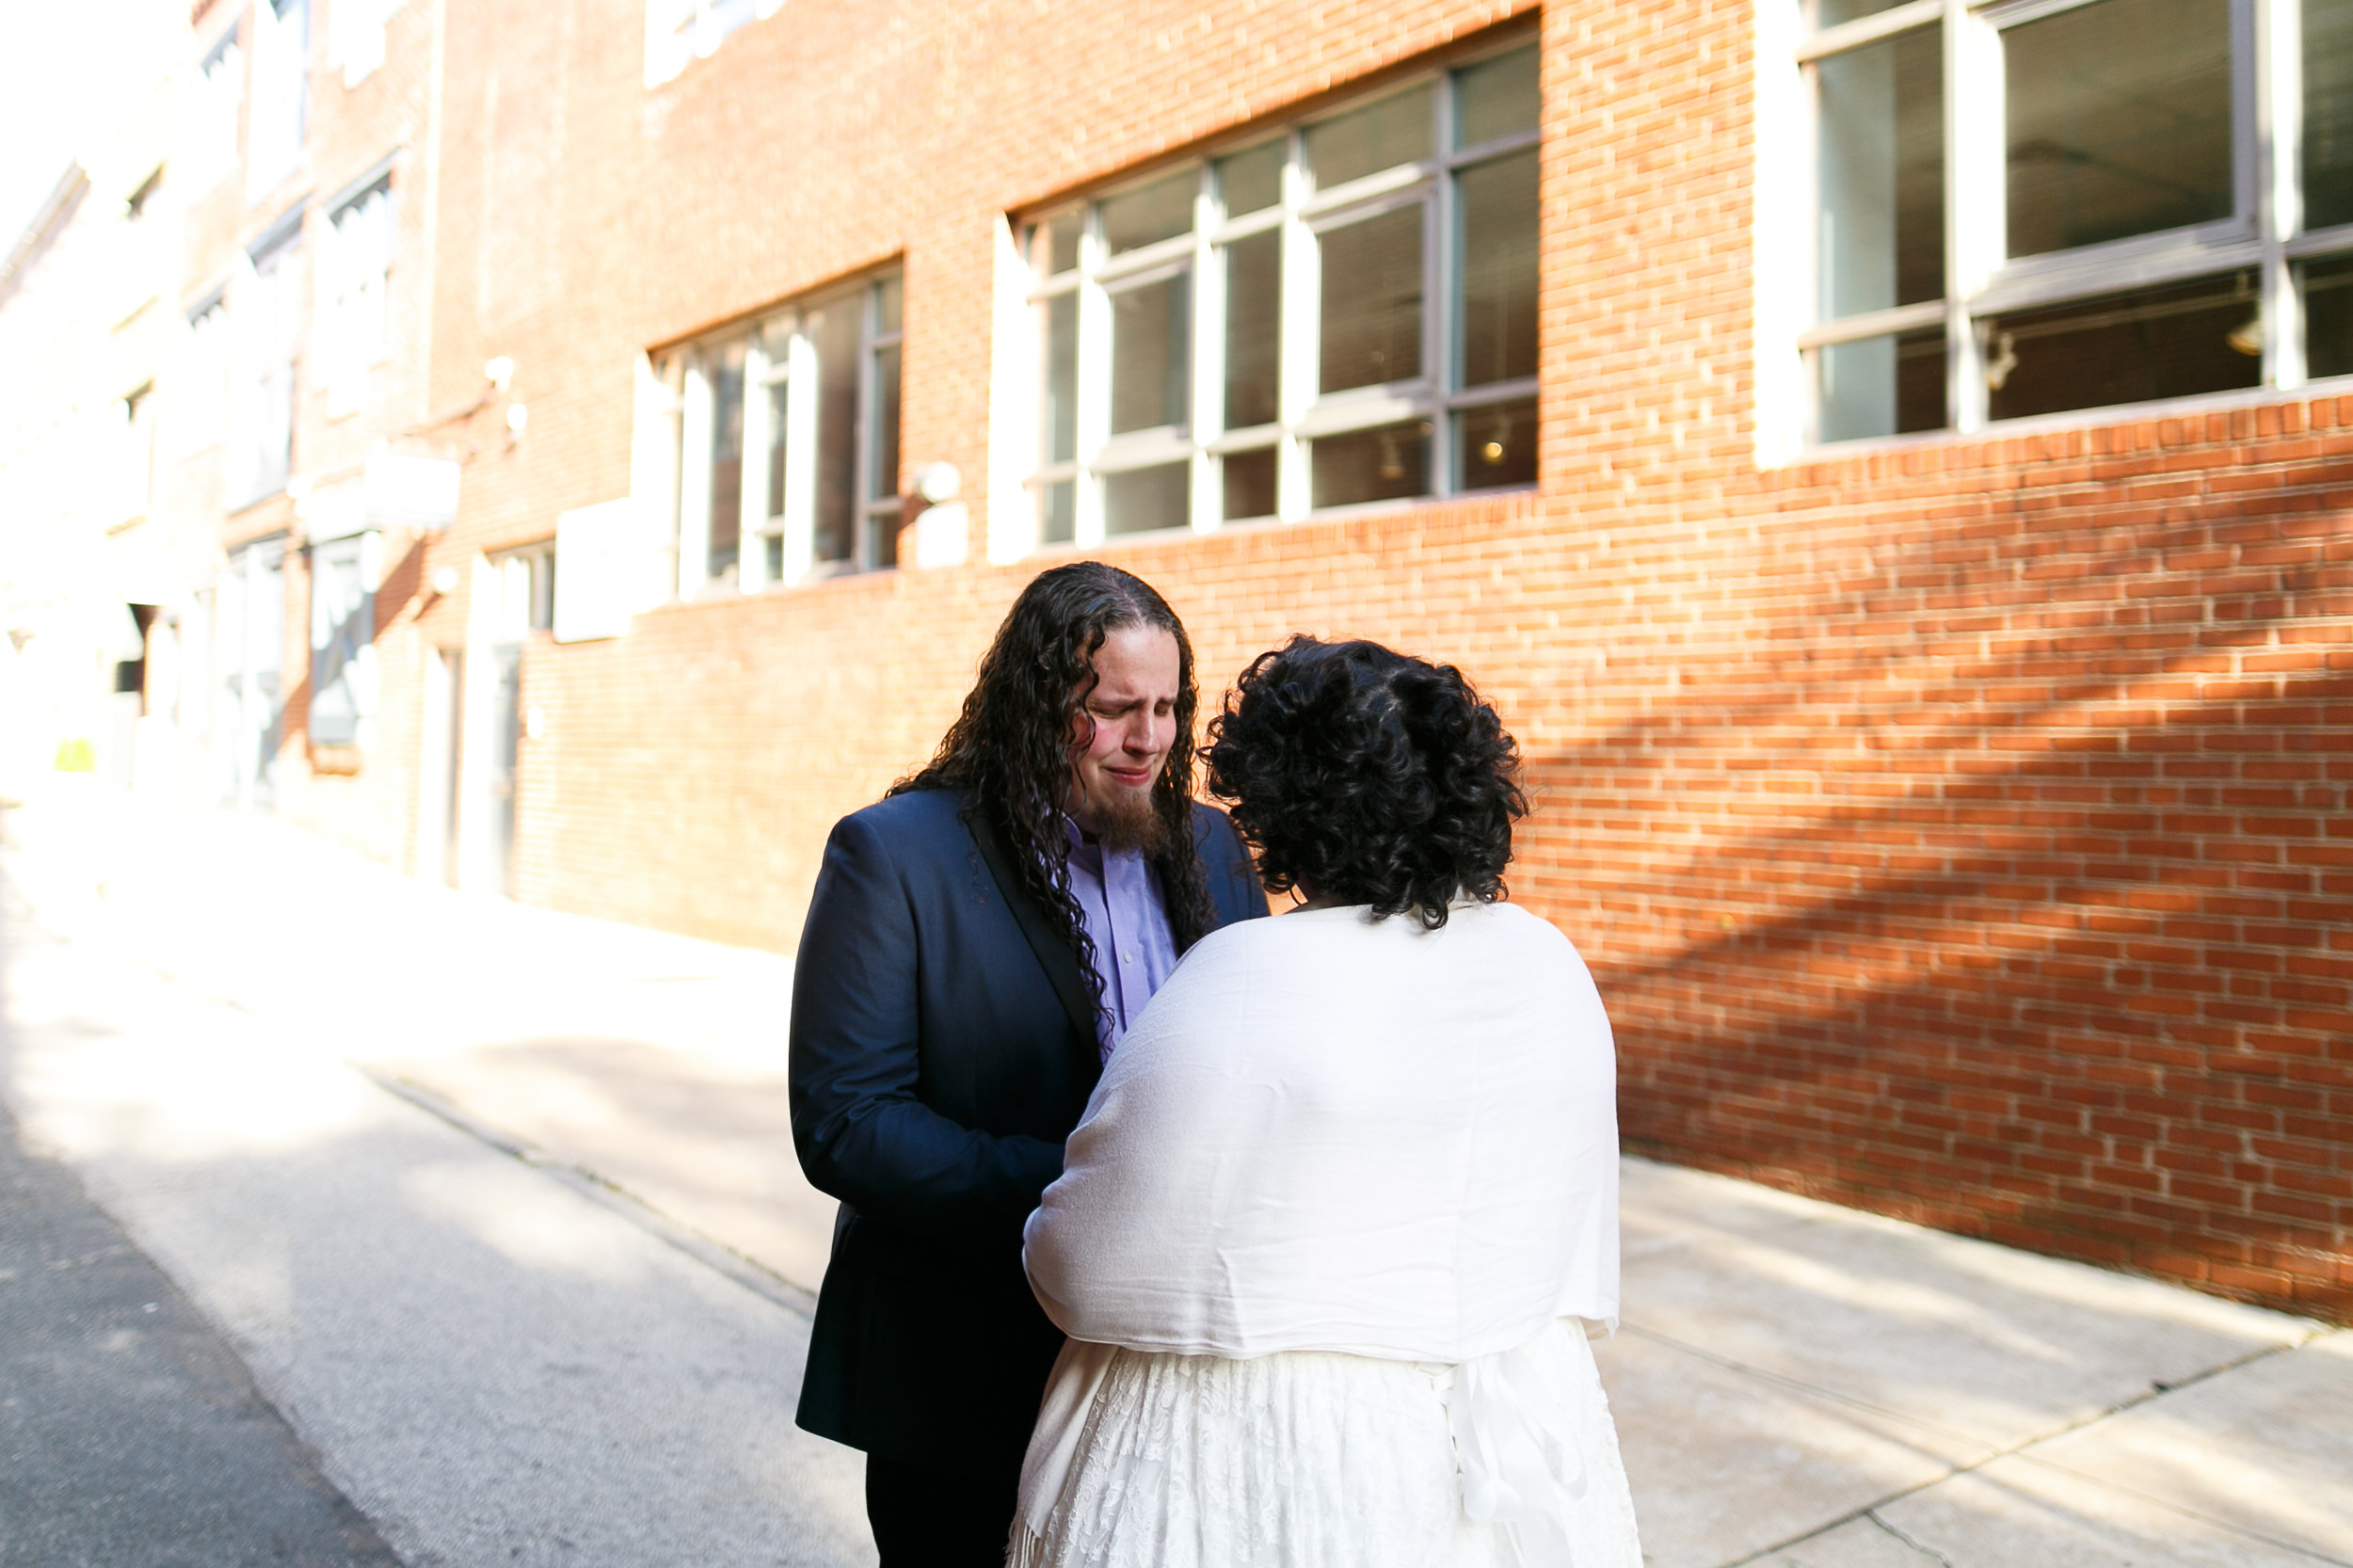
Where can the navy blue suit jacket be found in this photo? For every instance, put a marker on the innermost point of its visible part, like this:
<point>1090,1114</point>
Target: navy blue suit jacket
<point>943,1045</point>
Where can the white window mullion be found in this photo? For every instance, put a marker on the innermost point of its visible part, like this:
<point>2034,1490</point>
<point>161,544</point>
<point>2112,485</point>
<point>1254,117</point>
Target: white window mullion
<point>1207,417</point>
<point>1975,239</point>
<point>751,550</point>
<point>1094,392</point>
<point>1301,332</point>
<point>800,458</point>
<point>694,519</point>
<point>1439,325</point>
<point>2278,133</point>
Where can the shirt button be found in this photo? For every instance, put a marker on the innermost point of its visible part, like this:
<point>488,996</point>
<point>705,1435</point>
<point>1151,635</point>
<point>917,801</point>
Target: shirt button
<point>1127,957</point>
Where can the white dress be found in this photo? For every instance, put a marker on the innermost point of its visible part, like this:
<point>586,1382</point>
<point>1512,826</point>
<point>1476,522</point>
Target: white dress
<point>1310,1459</point>
<point>1324,1245</point>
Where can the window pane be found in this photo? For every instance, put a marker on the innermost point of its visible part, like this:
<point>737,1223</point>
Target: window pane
<point>2328,314</point>
<point>887,299</point>
<point>1387,464</point>
<point>882,540</point>
<point>1372,301</point>
<point>1141,500</point>
<point>1882,386</point>
<point>1881,175</point>
<point>1151,337</point>
<point>2327,113</point>
<point>1249,483</point>
<point>1377,137</point>
<point>1158,211</point>
<point>1250,181</point>
<point>1058,513</point>
<point>1495,445</point>
<point>883,476</point>
<point>834,332</point>
<point>1495,98</point>
<point>779,402</point>
<point>1829,13</point>
<point>775,559</point>
<point>1059,419</point>
<point>1253,313</point>
<point>2124,348</point>
<point>1495,257</point>
<point>2120,122</point>
<point>725,367</point>
<point>1056,243</point>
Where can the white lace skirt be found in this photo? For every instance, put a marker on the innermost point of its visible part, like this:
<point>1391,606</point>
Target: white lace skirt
<point>1312,1460</point>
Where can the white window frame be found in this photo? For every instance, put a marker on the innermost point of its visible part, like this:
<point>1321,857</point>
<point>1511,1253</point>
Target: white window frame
<point>278,125</point>
<point>356,674</point>
<point>353,314</point>
<point>200,391</point>
<point>2263,237</point>
<point>526,580</point>
<point>1300,214</point>
<point>268,339</point>
<point>679,32</point>
<point>134,415</point>
<point>778,350</point>
<point>215,96</point>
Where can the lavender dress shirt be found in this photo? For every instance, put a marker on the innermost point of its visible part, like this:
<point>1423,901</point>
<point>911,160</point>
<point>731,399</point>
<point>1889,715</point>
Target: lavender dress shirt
<point>1119,894</point>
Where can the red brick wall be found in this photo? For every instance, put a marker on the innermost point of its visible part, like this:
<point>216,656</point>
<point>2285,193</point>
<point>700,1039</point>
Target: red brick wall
<point>1957,831</point>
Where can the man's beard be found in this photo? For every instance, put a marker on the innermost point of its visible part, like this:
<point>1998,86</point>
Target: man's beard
<point>1126,821</point>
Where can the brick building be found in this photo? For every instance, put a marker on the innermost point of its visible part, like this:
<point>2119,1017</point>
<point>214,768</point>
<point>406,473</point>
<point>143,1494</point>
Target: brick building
<point>1891,476</point>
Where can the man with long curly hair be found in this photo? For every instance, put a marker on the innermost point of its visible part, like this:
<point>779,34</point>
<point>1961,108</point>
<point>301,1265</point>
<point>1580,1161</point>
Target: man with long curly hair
<point>978,943</point>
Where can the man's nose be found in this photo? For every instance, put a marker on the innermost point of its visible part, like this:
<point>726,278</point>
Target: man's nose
<point>1144,735</point>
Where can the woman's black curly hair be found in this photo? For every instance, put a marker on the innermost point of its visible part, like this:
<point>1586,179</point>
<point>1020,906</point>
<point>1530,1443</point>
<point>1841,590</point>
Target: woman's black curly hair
<point>1010,748</point>
<point>1365,776</point>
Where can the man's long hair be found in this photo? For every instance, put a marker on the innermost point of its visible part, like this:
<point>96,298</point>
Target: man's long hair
<point>1011,749</point>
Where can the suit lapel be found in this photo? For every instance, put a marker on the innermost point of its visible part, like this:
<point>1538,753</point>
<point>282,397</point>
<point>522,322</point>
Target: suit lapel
<point>1053,953</point>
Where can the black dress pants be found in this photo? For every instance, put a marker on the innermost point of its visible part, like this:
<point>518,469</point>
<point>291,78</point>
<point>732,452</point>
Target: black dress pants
<point>928,1518</point>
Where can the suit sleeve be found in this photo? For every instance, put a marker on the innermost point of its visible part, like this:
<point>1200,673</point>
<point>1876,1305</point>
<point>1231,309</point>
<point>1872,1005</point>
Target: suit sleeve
<point>860,1130</point>
<point>1239,895</point>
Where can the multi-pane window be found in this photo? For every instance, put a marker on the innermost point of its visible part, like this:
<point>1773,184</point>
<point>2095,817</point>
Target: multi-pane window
<point>281,92</point>
<point>268,335</point>
<point>355,264</point>
<point>342,638</point>
<point>788,442</point>
<point>526,590</point>
<point>678,31</point>
<point>2035,206</point>
<point>200,389</point>
<point>354,36</point>
<point>135,454</point>
<point>209,149</point>
<point>248,642</point>
<point>1328,313</point>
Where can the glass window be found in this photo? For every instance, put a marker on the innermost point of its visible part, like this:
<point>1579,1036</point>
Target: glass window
<point>1495,445</point>
<point>1885,386</point>
<point>1159,211</point>
<point>1372,296</point>
<point>791,441</point>
<point>1882,206</point>
<point>1151,342</point>
<point>268,332</point>
<point>1496,260</point>
<point>2118,121</point>
<point>1249,483</point>
<point>1388,463</point>
<point>2130,348</point>
<point>1495,98</point>
<point>2116,260</point>
<point>2327,316</point>
<point>1379,135</point>
<point>1141,500</point>
<point>343,625</point>
<point>1251,181</point>
<point>2328,140</point>
<point>1339,374</point>
<point>1253,295</point>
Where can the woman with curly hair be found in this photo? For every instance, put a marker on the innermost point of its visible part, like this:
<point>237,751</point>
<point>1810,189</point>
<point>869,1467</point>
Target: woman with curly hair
<point>1342,1212</point>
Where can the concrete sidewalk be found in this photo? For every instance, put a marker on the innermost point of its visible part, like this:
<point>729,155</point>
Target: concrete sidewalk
<point>1796,1384</point>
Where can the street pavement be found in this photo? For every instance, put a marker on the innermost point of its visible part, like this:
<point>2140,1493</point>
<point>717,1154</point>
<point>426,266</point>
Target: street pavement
<point>497,1210</point>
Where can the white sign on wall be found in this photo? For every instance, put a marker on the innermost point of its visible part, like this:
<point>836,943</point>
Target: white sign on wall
<point>606,570</point>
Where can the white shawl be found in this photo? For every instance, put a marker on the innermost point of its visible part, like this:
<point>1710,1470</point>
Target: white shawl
<point>1333,1133</point>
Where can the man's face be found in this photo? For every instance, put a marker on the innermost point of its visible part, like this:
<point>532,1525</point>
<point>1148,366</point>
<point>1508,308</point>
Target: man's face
<point>1123,734</point>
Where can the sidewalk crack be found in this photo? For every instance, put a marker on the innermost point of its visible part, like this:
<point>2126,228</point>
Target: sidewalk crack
<point>1921,1547</point>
